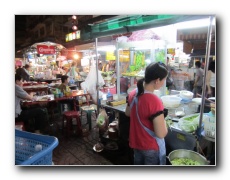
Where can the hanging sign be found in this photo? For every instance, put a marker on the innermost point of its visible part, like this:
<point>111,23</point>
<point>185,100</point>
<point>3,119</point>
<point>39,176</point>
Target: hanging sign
<point>73,35</point>
<point>124,56</point>
<point>171,51</point>
<point>110,55</point>
<point>44,49</point>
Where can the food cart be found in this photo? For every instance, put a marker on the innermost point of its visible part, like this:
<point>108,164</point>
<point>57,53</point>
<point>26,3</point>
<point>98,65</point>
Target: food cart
<point>43,57</point>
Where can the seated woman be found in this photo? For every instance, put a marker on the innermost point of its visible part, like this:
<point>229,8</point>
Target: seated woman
<point>64,84</point>
<point>38,114</point>
<point>64,88</point>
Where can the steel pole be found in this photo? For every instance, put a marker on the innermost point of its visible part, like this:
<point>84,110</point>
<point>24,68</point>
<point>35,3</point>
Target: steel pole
<point>208,45</point>
<point>97,84</point>
<point>118,70</point>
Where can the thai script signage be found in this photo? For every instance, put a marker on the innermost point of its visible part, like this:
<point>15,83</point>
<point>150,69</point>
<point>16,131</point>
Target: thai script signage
<point>73,35</point>
<point>44,49</point>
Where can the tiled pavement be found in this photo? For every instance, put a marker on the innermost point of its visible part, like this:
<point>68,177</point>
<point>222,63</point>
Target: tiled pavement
<point>78,151</point>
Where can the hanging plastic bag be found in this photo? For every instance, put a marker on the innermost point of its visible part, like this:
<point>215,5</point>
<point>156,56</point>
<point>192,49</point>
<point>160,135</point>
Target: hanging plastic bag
<point>91,79</point>
<point>90,83</point>
<point>102,120</point>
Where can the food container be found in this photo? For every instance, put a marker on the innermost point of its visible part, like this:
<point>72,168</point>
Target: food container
<point>197,100</point>
<point>186,95</point>
<point>210,125</point>
<point>171,101</point>
<point>112,132</point>
<point>184,153</point>
<point>113,124</point>
<point>174,92</point>
<point>115,97</point>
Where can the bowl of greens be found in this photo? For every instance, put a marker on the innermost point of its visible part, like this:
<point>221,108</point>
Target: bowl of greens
<point>184,157</point>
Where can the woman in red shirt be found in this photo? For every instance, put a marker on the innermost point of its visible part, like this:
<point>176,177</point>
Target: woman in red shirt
<point>147,123</point>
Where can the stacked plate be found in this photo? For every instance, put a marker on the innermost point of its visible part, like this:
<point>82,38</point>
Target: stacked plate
<point>186,96</point>
<point>197,100</point>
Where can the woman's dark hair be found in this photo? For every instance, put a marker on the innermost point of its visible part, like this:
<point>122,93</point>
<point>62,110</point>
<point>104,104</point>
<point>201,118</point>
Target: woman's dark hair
<point>198,64</point>
<point>18,77</point>
<point>27,66</point>
<point>152,72</point>
<point>63,78</point>
<point>211,66</point>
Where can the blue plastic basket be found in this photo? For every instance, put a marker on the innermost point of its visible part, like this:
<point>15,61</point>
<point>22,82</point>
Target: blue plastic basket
<point>27,151</point>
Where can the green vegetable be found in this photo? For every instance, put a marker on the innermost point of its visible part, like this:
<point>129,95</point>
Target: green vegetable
<point>189,124</point>
<point>184,161</point>
<point>169,122</point>
<point>160,55</point>
<point>191,118</point>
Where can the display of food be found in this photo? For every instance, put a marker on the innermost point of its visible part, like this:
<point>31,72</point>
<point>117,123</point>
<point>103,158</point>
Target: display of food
<point>108,73</point>
<point>133,73</point>
<point>44,98</point>
<point>184,161</point>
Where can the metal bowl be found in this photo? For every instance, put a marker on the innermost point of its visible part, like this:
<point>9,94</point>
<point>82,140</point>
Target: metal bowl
<point>184,153</point>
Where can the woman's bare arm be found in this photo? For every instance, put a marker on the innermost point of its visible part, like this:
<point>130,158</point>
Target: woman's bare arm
<point>159,126</point>
<point>127,111</point>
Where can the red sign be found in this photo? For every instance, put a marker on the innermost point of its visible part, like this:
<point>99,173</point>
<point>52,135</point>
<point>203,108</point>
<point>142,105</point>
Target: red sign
<point>44,49</point>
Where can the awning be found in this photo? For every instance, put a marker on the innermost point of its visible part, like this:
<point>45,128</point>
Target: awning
<point>133,23</point>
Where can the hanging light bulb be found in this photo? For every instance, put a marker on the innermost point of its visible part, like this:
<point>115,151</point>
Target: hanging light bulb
<point>75,56</point>
<point>74,17</point>
<point>74,23</point>
<point>74,28</point>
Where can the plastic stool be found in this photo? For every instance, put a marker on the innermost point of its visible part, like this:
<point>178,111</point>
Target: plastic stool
<point>68,116</point>
<point>88,110</point>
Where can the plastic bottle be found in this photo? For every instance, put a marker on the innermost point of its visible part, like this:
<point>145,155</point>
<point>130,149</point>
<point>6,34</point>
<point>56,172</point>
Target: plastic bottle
<point>109,95</point>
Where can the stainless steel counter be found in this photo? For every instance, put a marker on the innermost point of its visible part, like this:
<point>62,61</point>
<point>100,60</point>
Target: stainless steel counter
<point>120,108</point>
<point>176,138</point>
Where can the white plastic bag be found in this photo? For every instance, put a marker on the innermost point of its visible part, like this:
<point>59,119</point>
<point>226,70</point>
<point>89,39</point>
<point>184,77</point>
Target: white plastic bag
<point>90,83</point>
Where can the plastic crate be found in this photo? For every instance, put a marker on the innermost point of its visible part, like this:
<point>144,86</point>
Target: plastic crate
<point>33,149</point>
<point>210,126</point>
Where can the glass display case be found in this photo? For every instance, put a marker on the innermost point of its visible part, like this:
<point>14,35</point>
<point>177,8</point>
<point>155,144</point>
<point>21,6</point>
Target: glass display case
<point>134,57</point>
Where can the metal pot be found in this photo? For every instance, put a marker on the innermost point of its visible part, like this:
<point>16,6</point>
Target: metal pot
<point>184,153</point>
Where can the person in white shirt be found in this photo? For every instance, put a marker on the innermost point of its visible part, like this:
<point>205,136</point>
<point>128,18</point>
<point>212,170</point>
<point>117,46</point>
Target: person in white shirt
<point>197,87</point>
<point>211,79</point>
<point>72,71</point>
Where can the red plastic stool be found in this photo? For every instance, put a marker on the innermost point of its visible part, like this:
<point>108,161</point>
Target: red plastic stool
<point>68,116</point>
